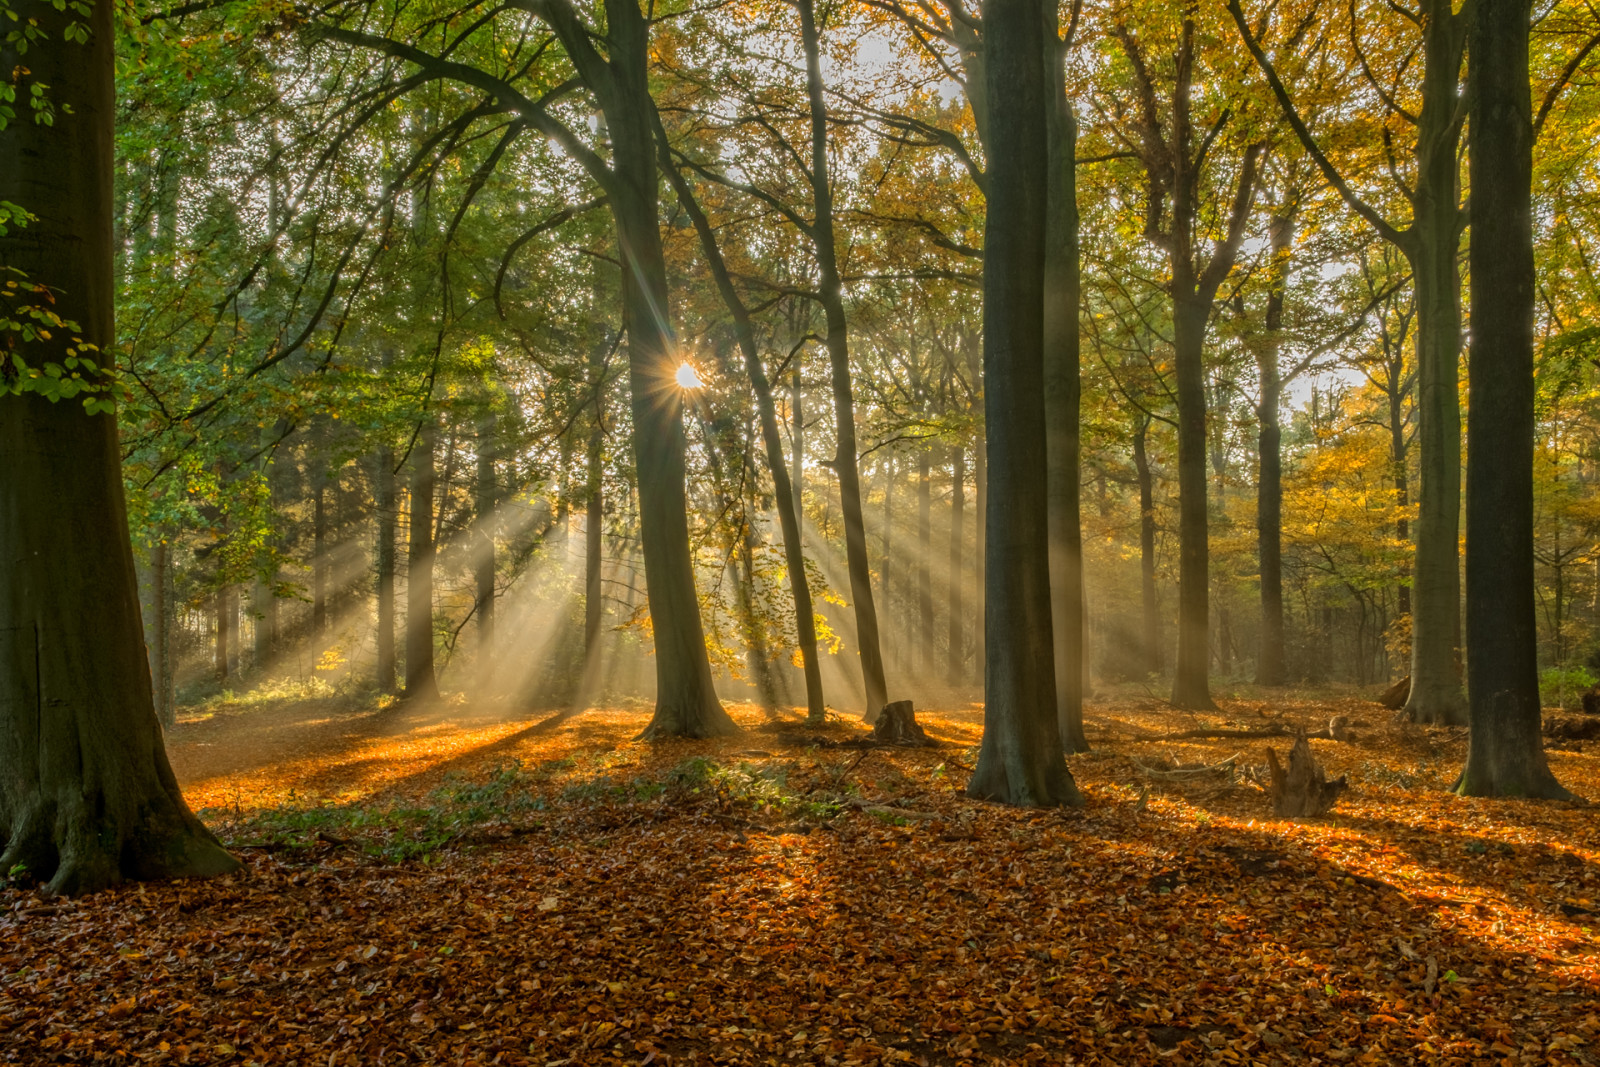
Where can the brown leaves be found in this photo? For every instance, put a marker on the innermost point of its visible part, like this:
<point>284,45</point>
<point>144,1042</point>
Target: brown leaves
<point>670,917</point>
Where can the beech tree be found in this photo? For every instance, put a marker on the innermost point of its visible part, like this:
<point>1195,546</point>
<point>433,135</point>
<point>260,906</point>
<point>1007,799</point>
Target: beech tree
<point>87,797</point>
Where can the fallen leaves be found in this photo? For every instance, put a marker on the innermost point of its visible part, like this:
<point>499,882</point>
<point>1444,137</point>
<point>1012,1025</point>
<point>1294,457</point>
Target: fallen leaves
<point>682,903</point>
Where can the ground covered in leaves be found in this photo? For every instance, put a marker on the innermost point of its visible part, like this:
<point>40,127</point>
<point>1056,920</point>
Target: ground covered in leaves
<point>460,887</point>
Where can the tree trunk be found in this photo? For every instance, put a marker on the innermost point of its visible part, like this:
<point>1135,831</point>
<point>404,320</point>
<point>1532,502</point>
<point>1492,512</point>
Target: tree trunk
<point>786,494</point>
<point>1398,454</point>
<point>87,798</point>
<point>319,541</point>
<point>1062,392</point>
<point>1191,686</point>
<point>383,478</point>
<point>159,628</point>
<point>925,657</point>
<point>1021,760</point>
<point>220,653</point>
<point>593,557</point>
<point>846,460</point>
<point>797,432</point>
<point>1505,750</point>
<point>484,561</point>
<point>421,683</point>
<point>1147,547</point>
<point>958,523</point>
<point>686,697</point>
<point>980,556</point>
<point>1269,480</point>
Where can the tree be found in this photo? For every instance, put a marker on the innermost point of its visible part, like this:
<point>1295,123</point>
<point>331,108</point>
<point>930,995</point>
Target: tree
<point>1021,760</point>
<point>87,798</point>
<point>1505,750</point>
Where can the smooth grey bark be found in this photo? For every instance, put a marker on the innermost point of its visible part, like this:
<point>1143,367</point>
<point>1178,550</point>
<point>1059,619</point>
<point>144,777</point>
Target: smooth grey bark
<point>1147,547</point>
<point>830,291</point>
<point>1021,760</point>
<point>87,797</point>
<point>420,681</point>
<point>957,639</point>
<point>786,494</point>
<point>1505,748</point>
<point>1269,447</point>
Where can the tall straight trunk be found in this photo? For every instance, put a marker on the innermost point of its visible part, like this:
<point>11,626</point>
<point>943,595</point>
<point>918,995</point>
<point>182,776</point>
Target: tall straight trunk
<point>159,629</point>
<point>786,494</point>
<point>924,657</point>
<point>421,684</point>
<point>484,499</point>
<point>1147,547</point>
<point>383,479</point>
<point>686,697</point>
<point>797,434</point>
<point>1398,455</point>
<point>1191,686</point>
<point>87,797</point>
<point>1062,392</point>
<point>980,556</point>
<point>1021,760</point>
<point>888,556</point>
<point>1505,749</point>
<point>846,460</point>
<point>958,529</point>
<point>223,633</point>
<point>1269,479</point>
<point>593,549</point>
<point>319,543</point>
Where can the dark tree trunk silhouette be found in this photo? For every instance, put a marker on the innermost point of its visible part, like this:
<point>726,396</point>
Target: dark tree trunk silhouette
<point>420,680</point>
<point>383,479</point>
<point>1021,760</point>
<point>924,641</point>
<point>1147,547</point>
<point>1269,481</point>
<point>485,500</point>
<point>958,522</point>
<point>1505,750</point>
<point>87,798</point>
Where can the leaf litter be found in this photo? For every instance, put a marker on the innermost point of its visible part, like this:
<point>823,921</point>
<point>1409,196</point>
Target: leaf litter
<point>467,890</point>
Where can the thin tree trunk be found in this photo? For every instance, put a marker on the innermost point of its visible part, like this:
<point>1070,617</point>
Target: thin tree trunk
<point>1147,547</point>
<point>925,657</point>
<point>484,562</point>
<point>383,477</point>
<point>1191,686</point>
<point>958,529</point>
<point>160,629</point>
<point>1021,760</point>
<point>846,460</point>
<point>1269,481</point>
<point>319,541</point>
<point>421,684</point>
<point>87,797</point>
<point>1505,750</point>
<point>797,434</point>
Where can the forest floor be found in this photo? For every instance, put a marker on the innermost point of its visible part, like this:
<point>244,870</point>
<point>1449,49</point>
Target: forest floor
<point>461,887</point>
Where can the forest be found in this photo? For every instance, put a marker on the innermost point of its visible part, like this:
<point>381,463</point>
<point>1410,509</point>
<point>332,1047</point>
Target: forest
<point>556,532</point>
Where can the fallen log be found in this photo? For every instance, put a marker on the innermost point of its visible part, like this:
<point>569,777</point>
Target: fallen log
<point>1338,729</point>
<point>1394,698</point>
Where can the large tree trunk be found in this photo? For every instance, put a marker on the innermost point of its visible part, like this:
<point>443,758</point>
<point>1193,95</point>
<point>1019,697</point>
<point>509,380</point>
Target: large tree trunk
<point>1191,686</point>
<point>1505,750</point>
<point>87,797</point>
<point>958,522</point>
<point>686,697</point>
<point>421,684</point>
<point>158,630</point>
<point>593,556</point>
<point>1147,547</point>
<point>383,478</point>
<point>980,556</point>
<point>1269,480</point>
<point>485,499</point>
<point>846,460</point>
<point>1021,760</point>
<point>1062,392</point>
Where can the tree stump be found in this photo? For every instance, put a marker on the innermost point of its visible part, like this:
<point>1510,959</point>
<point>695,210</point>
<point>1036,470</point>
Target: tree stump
<point>1303,789</point>
<point>897,725</point>
<point>1591,702</point>
<point>1394,698</point>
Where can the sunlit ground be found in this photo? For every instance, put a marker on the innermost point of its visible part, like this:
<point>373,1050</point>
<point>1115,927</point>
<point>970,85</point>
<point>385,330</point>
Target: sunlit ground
<point>760,899</point>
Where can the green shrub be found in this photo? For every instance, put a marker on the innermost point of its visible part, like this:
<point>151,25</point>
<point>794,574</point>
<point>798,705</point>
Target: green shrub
<point>1563,687</point>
